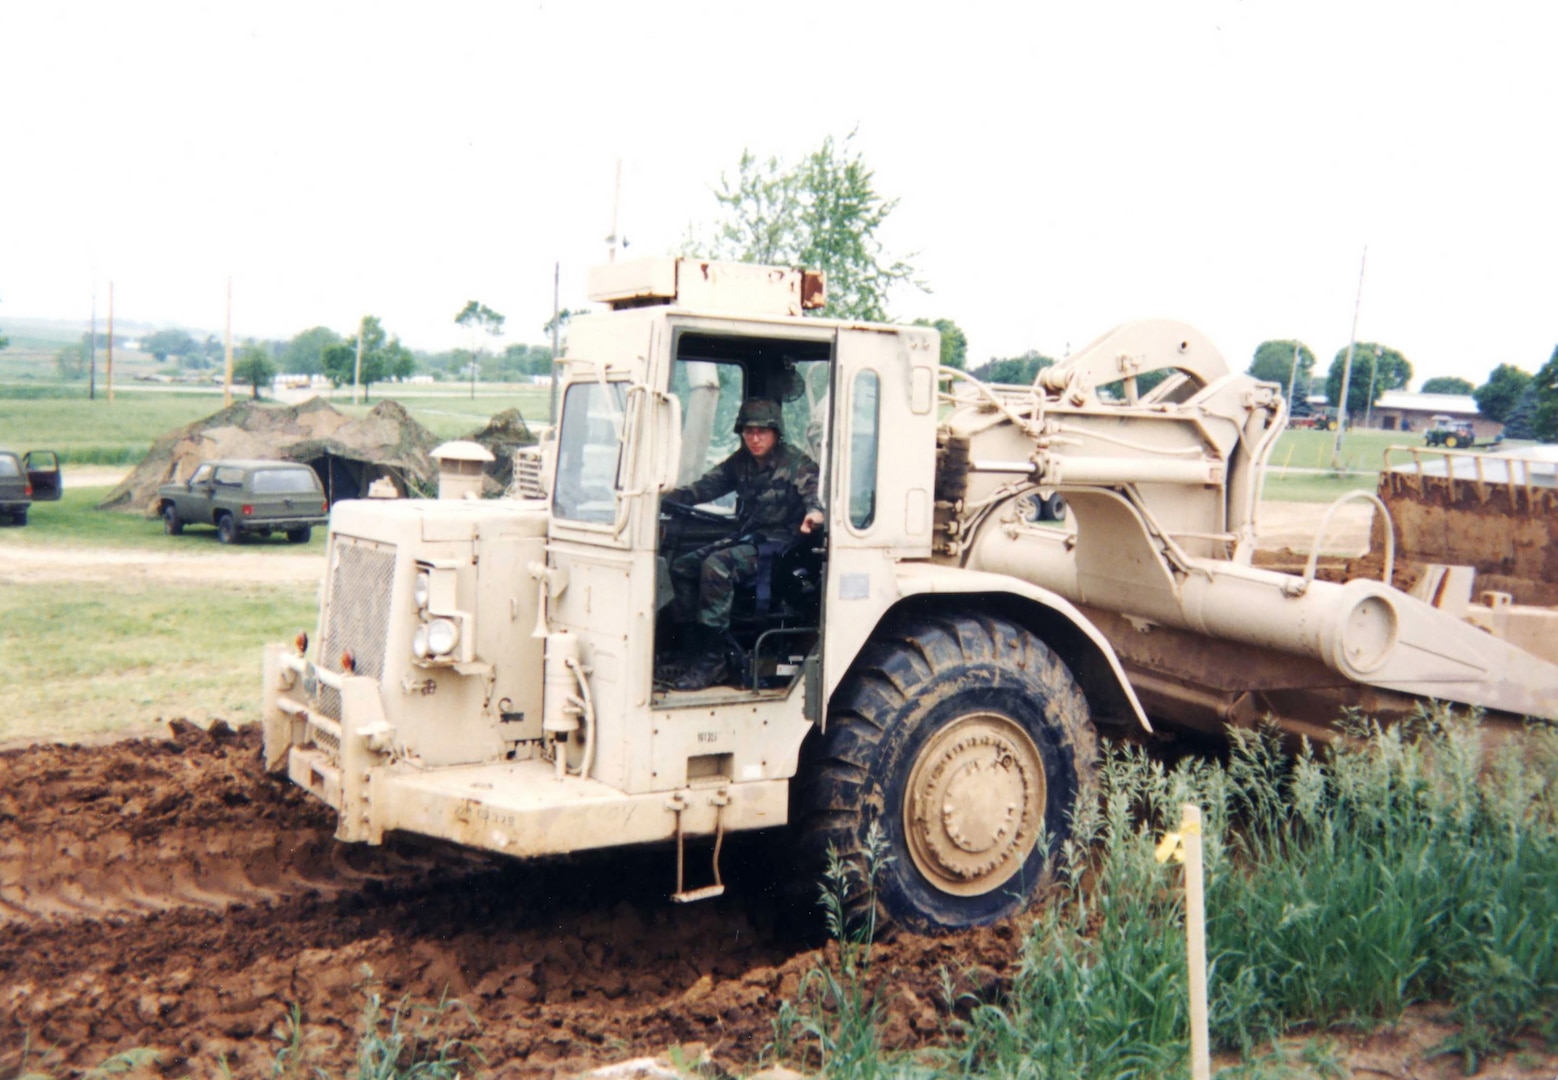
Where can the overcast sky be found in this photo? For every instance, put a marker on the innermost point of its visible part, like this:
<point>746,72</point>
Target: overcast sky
<point>1061,167</point>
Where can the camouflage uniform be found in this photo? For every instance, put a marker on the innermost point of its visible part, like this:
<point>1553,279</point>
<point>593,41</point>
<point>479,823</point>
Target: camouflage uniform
<point>772,496</point>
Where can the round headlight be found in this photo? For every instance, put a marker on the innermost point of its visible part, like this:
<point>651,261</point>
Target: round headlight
<point>419,643</point>
<point>424,586</point>
<point>442,636</point>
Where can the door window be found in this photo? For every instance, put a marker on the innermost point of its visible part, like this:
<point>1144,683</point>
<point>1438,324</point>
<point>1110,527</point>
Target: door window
<point>863,438</point>
<point>589,450</point>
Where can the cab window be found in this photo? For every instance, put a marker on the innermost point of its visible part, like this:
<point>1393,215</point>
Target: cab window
<point>589,450</point>
<point>864,422</point>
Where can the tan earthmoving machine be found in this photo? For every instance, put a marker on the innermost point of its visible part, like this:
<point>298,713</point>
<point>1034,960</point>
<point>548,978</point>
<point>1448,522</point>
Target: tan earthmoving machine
<point>938,662</point>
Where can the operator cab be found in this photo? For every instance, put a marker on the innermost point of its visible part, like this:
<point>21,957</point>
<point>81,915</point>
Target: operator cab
<point>776,617</point>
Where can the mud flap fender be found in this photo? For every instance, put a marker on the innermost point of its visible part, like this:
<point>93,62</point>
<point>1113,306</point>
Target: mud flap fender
<point>364,740</point>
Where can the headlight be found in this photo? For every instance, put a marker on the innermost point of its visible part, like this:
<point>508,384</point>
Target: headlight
<point>442,636</point>
<point>424,587</point>
<point>419,643</point>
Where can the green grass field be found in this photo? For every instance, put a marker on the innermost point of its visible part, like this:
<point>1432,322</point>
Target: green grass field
<point>74,521</point>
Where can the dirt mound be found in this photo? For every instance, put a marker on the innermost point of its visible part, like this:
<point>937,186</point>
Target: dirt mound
<point>347,454</point>
<point>504,433</point>
<point>165,894</point>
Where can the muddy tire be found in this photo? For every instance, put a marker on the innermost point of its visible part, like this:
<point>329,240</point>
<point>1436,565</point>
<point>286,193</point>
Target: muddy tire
<point>171,524</point>
<point>965,738</point>
<point>227,529</point>
<point>301,535</point>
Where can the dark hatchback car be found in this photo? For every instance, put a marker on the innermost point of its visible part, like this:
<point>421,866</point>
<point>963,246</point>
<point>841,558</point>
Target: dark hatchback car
<point>25,479</point>
<point>245,498</point>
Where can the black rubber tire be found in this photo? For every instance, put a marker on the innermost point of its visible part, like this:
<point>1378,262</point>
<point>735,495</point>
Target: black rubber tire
<point>19,518</point>
<point>300,535</point>
<point>171,525</point>
<point>1055,507</point>
<point>227,530</point>
<point>935,674</point>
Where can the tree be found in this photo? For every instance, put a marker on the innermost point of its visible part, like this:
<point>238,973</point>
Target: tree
<point>1393,372</point>
<point>478,319</point>
<point>822,214</point>
<point>165,343</point>
<point>954,343</point>
<point>305,353</point>
<point>4,341</point>
<point>71,360</point>
<point>383,357</point>
<point>1448,384</point>
<point>1520,423</point>
<point>253,368</point>
<point>1273,362</point>
<point>1016,370</point>
<point>1545,423</point>
<point>1497,396</point>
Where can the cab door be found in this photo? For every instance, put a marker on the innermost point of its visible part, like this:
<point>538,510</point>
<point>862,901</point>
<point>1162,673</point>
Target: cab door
<point>43,473</point>
<point>881,479</point>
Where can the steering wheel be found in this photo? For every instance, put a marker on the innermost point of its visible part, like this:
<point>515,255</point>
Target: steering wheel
<point>692,513</point>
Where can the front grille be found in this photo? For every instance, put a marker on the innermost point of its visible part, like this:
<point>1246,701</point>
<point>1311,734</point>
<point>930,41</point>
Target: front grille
<point>357,614</point>
<point>527,474</point>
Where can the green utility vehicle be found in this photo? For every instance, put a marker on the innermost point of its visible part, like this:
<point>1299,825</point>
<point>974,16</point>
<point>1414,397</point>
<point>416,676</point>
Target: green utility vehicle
<point>246,497</point>
<point>25,479</point>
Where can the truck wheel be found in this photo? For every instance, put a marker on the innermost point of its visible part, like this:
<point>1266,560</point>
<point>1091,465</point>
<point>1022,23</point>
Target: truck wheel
<point>1452,441</point>
<point>19,518</point>
<point>300,536</point>
<point>966,739</point>
<point>227,529</point>
<point>171,525</point>
<point>1055,507</point>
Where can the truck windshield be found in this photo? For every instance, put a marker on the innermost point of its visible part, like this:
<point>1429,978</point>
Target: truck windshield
<point>588,450</point>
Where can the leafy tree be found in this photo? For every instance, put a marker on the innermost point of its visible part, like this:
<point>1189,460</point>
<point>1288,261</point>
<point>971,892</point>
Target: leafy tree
<point>1497,396</point>
<point>523,361</point>
<point>954,343</point>
<point>305,353</point>
<point>1392,372</point>
<point>4,341</point>
<point>1544,424</point>
<point>478,319</point>
<point>1448,384</point>
<point>253,367</point>
<point>71,360</point>
<point>165,343</point>
<point>1016,370</point>
<point>1273,362</point>
<point>383,357</point>
<point>1520,423</point>
<point>823,214</point>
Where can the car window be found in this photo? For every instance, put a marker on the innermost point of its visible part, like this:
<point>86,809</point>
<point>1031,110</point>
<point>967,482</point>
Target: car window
<point>8,466</point>
<point>230,475</point>
<point>202,475</point>
<point>284,482</point>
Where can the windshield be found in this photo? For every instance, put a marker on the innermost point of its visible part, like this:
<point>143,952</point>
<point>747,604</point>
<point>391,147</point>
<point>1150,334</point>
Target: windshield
<point>588,451</point>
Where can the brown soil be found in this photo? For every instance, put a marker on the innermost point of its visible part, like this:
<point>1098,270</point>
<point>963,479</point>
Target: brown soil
<point>165,894</point>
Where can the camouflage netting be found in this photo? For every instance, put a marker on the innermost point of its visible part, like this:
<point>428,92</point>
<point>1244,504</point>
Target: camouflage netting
<point>504,433</point>
<point>347,454</point>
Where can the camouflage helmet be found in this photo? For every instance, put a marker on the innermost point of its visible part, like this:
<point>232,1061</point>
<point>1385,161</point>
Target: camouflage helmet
<point>759,412</point>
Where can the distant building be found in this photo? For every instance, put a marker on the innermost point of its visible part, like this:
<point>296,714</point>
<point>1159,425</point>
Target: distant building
<point>1402,410</point>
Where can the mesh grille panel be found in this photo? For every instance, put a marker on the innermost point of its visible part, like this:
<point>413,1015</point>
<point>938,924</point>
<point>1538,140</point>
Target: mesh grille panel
<point>361,589</point>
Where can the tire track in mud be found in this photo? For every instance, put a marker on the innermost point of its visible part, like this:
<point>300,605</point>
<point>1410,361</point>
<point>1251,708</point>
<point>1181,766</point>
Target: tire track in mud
<point>166,894</point>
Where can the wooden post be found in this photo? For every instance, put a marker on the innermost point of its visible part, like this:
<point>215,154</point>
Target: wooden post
<point>1195,940</point>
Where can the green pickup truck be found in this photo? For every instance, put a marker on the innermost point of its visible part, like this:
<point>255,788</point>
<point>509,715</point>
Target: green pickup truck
<point>244,498</point>
<point>26,479</point>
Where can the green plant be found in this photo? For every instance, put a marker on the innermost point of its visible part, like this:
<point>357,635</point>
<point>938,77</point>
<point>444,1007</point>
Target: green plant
<point>408,1042</point>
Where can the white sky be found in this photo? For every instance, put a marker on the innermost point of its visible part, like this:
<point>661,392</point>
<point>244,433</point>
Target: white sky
<point>1061,167</point>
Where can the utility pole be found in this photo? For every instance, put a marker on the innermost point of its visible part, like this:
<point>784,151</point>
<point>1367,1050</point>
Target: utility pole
<point>1341,406</point>
<point>616,201</point>
<point>362,331</point>
<point>110,372</point>
<point>1368,410</point>
<point>227,381</point>
<point>92,349</point>
<point>557,273</point>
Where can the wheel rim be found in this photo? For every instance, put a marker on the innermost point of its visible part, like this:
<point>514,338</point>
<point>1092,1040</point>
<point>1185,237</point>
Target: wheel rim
<point>974,803</point>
